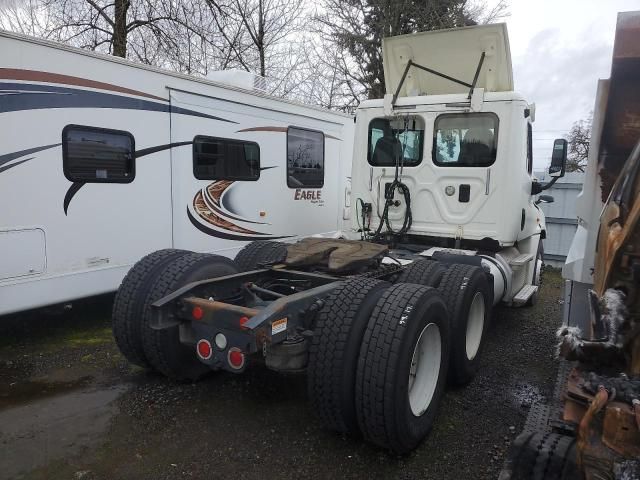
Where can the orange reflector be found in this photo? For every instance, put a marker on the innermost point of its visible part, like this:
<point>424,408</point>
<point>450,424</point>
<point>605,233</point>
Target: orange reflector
<point>204,349</point>
<point>197,313</point>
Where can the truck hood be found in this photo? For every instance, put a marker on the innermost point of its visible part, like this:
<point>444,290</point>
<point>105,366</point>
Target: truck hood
<point>453,52</point>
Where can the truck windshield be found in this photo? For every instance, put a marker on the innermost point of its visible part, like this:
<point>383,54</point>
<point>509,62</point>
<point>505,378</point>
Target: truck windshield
<point>465,139</point>
<point>393,139</point>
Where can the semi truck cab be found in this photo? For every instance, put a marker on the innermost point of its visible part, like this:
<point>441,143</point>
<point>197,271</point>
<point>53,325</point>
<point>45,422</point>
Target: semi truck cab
<point>445,160</point>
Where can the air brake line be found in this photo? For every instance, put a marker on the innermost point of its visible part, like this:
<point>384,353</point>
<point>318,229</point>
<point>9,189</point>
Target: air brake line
<point>397,184</point>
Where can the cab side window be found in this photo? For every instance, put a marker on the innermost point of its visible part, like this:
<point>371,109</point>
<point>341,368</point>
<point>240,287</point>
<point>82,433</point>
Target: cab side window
<point>394,140</point>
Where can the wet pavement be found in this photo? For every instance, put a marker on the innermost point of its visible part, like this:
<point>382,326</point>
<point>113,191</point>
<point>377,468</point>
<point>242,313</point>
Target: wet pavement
<point>72,408</point>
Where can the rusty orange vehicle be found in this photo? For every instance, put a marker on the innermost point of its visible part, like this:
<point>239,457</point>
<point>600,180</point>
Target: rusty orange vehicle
<point>592,428</point>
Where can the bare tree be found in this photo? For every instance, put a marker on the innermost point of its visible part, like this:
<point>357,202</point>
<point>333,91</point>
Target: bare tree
<point>258,33</point>
<point>357,27</point>
<point>112,25</point>
<point>25,16</point>
<point>578,138</point>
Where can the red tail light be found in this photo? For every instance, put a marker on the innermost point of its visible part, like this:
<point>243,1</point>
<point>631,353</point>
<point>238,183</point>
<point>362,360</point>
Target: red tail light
<point>236,358</point>
<point>204,349</point>
<point>197,313</point>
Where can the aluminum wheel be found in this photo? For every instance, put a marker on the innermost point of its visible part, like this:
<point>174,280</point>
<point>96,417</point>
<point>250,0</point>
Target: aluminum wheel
<point>425,369</point>
<point>538,274</point>
<point>475,325</point>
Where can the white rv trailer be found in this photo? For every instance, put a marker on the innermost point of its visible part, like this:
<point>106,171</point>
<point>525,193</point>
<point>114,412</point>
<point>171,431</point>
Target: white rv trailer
<point>103,160</point>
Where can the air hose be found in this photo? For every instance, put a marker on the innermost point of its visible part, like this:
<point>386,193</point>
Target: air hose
<point>389,195</point>
<point>384,219</point>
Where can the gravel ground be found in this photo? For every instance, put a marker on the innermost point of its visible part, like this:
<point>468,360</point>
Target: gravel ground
<point>72,408</point>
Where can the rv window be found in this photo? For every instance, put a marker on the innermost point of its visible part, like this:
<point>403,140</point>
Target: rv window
<point>465,140</point>
<point>391,139</point>
<point>97,155</point>
<point>305,158</point>
<point>225,159</point>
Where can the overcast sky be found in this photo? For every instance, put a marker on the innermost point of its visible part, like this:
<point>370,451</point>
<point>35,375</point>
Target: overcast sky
<point>559,49</point>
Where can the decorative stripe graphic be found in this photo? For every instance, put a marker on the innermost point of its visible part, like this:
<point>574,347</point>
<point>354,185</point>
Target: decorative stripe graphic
<point>159,148</point>
<point>211,218</point>
<point>7,167</point>
<point>39,97</point>
<point>21,153</point>
<point>229,236</point>
<point>277,129</point>
<point>37,76</point>
<point>212,197</point>
<point>211,214</point>
<point>73,189</point>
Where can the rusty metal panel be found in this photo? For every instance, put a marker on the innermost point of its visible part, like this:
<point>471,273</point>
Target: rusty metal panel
<point>620,432</point>
<point>621,128</point>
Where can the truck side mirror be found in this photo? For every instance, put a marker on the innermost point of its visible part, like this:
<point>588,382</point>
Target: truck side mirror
<point>558,158</point>
<point>544,199</point>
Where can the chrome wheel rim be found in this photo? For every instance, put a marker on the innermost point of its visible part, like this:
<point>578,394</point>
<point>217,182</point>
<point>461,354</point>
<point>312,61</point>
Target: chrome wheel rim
<point>425,369</point>
<point>475,326</point>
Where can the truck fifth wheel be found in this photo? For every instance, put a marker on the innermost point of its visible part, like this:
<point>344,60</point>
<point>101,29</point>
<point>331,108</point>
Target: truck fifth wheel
<point>442,225</point>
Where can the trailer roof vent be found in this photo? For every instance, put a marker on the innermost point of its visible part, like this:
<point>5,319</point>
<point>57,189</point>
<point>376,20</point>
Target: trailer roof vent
<point>240,79</point>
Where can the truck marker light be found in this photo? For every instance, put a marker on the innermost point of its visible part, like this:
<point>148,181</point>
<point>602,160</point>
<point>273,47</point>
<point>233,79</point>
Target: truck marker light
<point>221,341</point>
<point>236,358</point>
<point>197,313</point>
<point>242,321</point>
<point>204,349</point>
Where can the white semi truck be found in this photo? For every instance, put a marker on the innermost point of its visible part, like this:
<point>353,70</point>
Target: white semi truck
<point>443,225</point>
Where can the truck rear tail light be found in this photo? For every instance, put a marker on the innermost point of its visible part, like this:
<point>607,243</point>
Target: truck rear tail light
<point>242,321</point>
<point>235,358</point>
<point>197,313</point>
<point>204,349</point>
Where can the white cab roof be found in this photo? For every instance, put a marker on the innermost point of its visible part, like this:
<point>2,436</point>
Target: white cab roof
<point>454,52</point>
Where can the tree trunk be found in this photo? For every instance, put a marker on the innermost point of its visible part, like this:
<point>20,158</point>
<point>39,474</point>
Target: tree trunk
<point>120,28</point>
<point>261,47</point>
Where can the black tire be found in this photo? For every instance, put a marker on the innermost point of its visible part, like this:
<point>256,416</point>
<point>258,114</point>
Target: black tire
<point>126,318</point>
<point>539,256</point>
<point>423,272</point>
<point>333,354</point>
<point>541,456</point>
<point>459,287</point>
<point>254,254</point>
<point>383,408</point>
<point>163,348</point>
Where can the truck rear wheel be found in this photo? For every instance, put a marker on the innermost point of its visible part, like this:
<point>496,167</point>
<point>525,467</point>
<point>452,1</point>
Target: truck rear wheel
<point>423,272</point>
<point>163,348</point>
<point>538,268</point>
<point>465,290</point>
<point>128,304</point>
<point>333,354</point>
<point>541,456</point>
<point>260,252</point>
<point>402,367</point>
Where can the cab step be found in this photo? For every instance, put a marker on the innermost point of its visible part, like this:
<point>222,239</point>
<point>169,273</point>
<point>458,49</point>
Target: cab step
<point>521,259</point>
<point>524,294</point>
